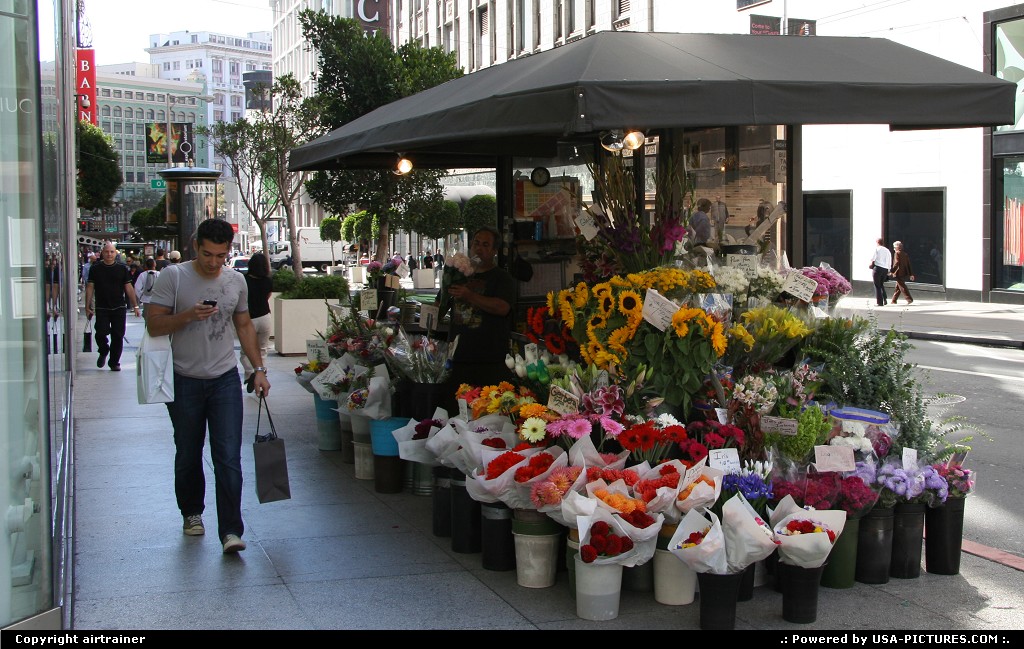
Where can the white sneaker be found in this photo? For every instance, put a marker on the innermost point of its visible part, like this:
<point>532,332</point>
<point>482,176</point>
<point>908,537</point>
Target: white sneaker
<point>232,544</point>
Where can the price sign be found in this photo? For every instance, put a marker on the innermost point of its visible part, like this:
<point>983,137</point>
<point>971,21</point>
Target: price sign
<point>368,300</point>
<point>778,425</point>
<point>746,263</point>
<point>727,460</point>
<point>723,415</point>
<point>428,316</point>
<point>910,459</point>
<point>800,286</point>
<point>588,227</point>
<point>658,309</point>
<point>316,350</point>
<point>694,472</point>
<point>562,401</point>
<point>463,410</point>
<point>834,458</point>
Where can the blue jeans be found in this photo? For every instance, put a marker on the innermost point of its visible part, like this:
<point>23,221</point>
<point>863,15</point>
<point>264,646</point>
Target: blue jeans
<point>215,404</point>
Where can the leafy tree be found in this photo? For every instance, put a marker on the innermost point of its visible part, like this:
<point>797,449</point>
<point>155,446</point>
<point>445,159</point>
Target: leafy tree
<point>348,227</point>
<point>434,219</point>
<point>330,230</point>
<point>358,73</point>
<point>479,211</point>
<point>99,171</point>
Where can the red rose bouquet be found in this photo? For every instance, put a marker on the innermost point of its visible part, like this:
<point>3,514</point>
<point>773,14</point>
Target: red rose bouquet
<point>806,537</point>
<point>603,543</point>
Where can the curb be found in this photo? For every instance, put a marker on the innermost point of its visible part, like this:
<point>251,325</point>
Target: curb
<point>967,340</point>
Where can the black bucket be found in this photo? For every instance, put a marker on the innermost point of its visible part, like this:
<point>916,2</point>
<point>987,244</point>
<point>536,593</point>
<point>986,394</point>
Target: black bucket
<point>498,546</point>
<point>465,517</point>
<point>442,501</point>
<point>388,474</point>
<point>718,595</point>
<point>800,593</point>
<point>874,546</point>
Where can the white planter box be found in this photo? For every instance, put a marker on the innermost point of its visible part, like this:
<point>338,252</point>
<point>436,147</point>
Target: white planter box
<point>357,275</point>
<point>423,278</point>
<point>273,296</point>
<point>295,322</point>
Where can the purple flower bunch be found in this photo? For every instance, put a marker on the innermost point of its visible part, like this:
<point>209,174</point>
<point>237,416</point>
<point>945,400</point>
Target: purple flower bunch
<point>604,401</point>
<point>830,282</point>
<point>918,485</point>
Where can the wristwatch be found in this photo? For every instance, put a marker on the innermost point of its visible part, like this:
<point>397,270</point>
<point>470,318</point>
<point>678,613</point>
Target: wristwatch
<point>260,369</point>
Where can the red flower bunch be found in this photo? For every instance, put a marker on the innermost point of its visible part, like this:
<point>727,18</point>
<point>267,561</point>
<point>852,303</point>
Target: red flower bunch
<point>648,441</point>
<point>638,519</point>
<point>821,490</point>
<point>782,488</point>
<point>715,435</point>
<point>423,428</point>
<point>856,497</point>
<point>543,327</point>
<point>503,463</point>
<point>694,538</point>
<point>648,489</point>
<point>629,476</point>
<point>796,527</point>
<point>494,442</point>
<point>604,543</point>
<point>537,465</point>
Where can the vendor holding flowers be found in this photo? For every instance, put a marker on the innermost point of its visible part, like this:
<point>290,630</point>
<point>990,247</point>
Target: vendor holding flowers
<point>481,316</point>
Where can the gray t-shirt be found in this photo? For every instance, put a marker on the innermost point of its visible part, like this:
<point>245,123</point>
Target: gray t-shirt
<point>203,349</point>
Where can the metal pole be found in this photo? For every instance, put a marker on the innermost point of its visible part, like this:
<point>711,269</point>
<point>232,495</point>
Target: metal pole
<point>167,144</point>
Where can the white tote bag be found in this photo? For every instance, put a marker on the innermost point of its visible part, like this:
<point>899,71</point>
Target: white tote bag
<point>155,369</point>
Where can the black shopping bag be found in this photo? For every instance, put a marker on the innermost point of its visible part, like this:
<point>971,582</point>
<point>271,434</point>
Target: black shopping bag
<point>87,336</point>
<point>271,462</point>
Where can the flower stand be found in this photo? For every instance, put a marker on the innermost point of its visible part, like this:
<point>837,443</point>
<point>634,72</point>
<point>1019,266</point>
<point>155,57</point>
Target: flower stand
<point>800,593</point>
<point>598,590</point>
<point>537,542</point>
<point>718,600</point>
<point>874,546</point>
<point>907,540</point>
<point>465,517</point>
<point>842,560</point>
<point>497,545</point>
<point>328,424</point>
<point>441,495</point>
<point>943,536</point>
<point>388,467</point>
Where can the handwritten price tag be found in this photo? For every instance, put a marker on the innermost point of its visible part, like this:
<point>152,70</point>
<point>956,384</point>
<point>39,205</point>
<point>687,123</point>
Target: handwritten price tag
<point>463,410</point>
<point>658,309</point>
<point>778,425</point>
<point>746,263</point>
<point>725,459</point>
<point>368,300</point>
<point>694,472</point>
<point>800,286</point>
<point>588,227</point>
<point>316,350</point>
<point>428,316</point>
<point>834,458</point>
<point>910,459</point>
<point>562,401</point>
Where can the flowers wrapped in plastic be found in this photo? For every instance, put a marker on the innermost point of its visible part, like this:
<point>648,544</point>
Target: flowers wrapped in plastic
<point>748,537</point>
<point>603,541</point>
<point>419,358</point>
<point>806,537</point>
<point>413,437</point>
<point>959,481</point>
<point>701,487</point>
<point>699,542</point>
<point>550,493</point>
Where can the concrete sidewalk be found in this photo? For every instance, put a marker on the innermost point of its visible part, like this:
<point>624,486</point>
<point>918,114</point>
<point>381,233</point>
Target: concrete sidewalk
<point>339,555</point>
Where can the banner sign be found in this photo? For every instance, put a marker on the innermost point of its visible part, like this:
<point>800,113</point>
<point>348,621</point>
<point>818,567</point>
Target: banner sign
<point>182,143</point>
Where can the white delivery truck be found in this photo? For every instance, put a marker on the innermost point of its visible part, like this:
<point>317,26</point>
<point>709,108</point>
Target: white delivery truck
<point>316,253</point>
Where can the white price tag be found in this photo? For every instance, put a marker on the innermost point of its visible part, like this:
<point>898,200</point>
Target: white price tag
<point>800,286</point>
<point>321,382</point>
<point>723,415</point>
<point>316,350</point>
<point>368,300</point>
<point>834,458</point>
<point>562,401</point>
<point>778,425</point>
<point>463,410</point>
<point>428,316</point>
<point>746,263</point>
<point>910,459</point>
<point>658,309</point>
<point>725,459</point>
<point>588,227</point>
<point>693,473</point>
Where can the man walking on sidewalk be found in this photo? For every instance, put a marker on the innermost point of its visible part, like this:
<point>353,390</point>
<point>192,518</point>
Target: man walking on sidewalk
<point>881,262</point>
<point>110,283</point>
<point>196,302</point>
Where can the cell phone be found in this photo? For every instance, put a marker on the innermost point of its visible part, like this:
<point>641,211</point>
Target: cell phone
<point>210,302</point>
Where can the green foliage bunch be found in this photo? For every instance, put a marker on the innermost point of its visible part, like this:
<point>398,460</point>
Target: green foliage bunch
<point>812,429</point>
<point>284,280</point>
<point>327,287</point>
<point>866,367</point>
<point>479,211</point>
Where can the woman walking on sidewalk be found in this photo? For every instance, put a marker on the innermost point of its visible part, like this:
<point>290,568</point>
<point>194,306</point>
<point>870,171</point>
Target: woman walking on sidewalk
<point>901,272</point>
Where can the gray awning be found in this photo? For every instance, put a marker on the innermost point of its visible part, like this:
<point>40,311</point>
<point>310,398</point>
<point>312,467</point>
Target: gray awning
<point>661,80</point>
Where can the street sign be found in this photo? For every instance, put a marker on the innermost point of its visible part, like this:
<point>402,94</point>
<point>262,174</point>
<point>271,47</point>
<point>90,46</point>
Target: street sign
<point>157,183</point>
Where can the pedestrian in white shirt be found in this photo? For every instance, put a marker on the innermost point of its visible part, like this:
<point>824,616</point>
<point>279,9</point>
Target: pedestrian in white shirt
<point>881,262</point>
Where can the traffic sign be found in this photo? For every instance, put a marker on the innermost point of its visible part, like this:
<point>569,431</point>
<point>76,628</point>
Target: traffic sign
<point>157,183</point>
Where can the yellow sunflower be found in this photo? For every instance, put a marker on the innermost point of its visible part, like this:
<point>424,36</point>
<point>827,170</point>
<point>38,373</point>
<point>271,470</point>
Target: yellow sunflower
<point>630,303</point>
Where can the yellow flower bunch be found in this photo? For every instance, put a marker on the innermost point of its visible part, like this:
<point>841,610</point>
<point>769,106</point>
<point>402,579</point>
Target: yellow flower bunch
<point>503,398</point>
<point>773,331</point>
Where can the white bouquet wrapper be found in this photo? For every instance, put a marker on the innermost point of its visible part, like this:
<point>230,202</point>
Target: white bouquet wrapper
<point>645,539</point>
<point>473,448</point>
<point>703,494</point>
<point>443,444</point>
<point>575,504</point>
<point>748,538</point>
<point>503,487</point>
<point>378,400</point>
<point>617,487</point>
<point>584,453</point>
<point>415,450</point>
<point>709,555</point>
<point>629,558</point>
<point>785,507</point>
<point>305,379</point>
<point>809,550</point>
<point>665,501</point>
<point>523,488</point>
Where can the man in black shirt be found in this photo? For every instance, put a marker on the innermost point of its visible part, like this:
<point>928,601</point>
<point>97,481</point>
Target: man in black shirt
<point>161,261</point>
<point>110,283</point>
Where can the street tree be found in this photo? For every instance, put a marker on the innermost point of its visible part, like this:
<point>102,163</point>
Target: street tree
<point>434,219</point>
<point>330,230</point>
<point>99,169</point>
<point>479,211</point>
<point>356,74</point>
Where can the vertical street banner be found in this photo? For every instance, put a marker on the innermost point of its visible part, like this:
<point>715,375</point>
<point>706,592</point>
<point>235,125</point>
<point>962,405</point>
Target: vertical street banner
<point>85,82</point>
<point>181,143</point>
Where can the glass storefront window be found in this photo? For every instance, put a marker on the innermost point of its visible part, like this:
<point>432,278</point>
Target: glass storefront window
<point>827,233</point>
<point>917,218</point>
<point>1008,235</point>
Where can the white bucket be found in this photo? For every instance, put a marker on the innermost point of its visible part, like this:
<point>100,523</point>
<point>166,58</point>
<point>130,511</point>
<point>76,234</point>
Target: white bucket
<point>674,582</point>
<point>360,428</point>
<point>536,559</point>
<point>598,590</point>
<point>364,460</point>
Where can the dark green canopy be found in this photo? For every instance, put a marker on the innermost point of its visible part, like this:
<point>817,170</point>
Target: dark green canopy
<point>649,81</point>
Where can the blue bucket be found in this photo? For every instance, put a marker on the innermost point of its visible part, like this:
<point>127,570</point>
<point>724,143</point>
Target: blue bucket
<point>383,442</point>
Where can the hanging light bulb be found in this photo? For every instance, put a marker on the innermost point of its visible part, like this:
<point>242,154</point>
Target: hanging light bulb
<point>616,140</point>
<point>404,165</point>
<point>633,140</point>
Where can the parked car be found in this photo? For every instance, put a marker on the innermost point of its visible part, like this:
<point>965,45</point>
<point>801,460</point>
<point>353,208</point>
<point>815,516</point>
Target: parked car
<point>241,264</point>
